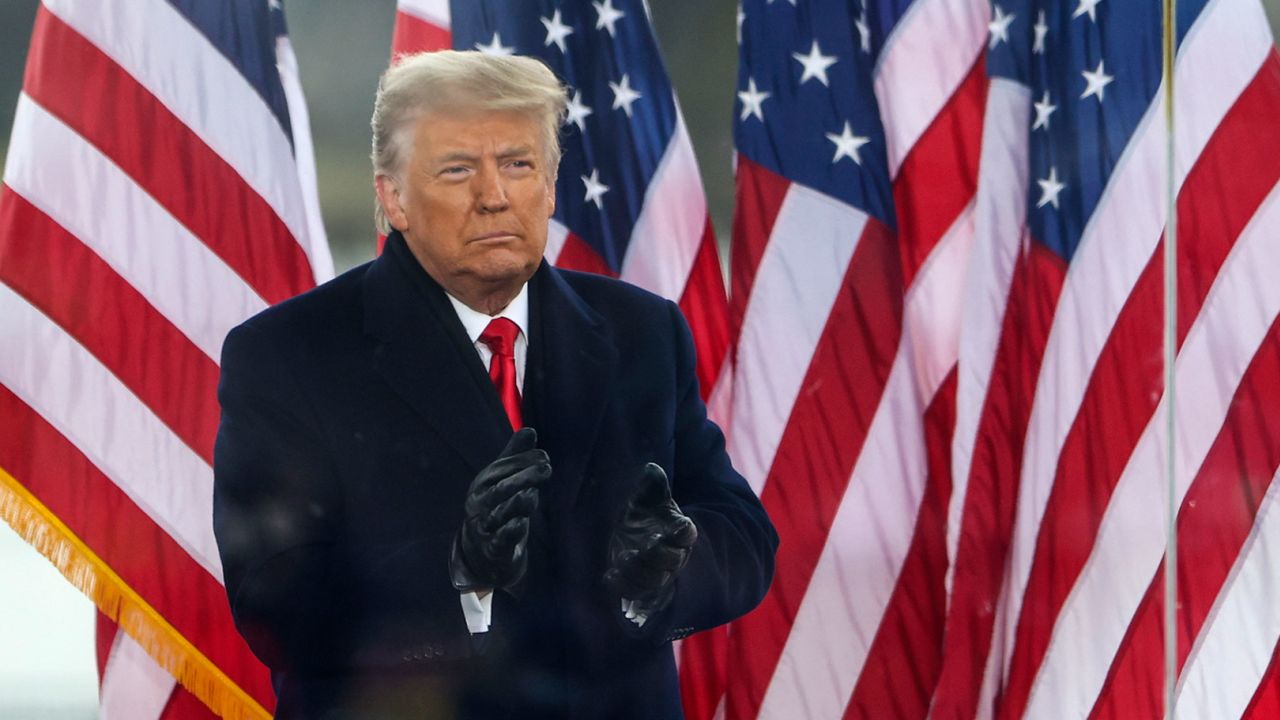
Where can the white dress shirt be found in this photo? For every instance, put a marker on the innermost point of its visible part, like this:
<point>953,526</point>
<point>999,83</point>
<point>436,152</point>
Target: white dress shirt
<point>477,610</point>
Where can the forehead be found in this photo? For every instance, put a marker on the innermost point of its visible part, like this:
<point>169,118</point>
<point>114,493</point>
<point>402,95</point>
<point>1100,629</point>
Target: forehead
<point>475,131</point>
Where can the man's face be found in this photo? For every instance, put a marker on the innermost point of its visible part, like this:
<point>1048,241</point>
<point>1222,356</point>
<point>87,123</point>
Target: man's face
<point>474,201</point>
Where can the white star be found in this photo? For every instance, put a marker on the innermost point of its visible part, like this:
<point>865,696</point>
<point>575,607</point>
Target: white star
<point>1096,82</point>
<point>741,17</point>
<point>1042,30</point>
<point>1087,7</point>
<point>864,31</point>
<point>770,2</point>
<point>557,31</point>
<point>751,101</point>
<point>495,47</point>
<point>847,145</point>
<point>274,5</point>
<point>999,27</point>
<point>623,95</point>
<point>577,111</point>
<point>815,64</point>
<point>607,15</point>
<point>595,189</point>
<point>1049,189</point>
<point>1043,110</point>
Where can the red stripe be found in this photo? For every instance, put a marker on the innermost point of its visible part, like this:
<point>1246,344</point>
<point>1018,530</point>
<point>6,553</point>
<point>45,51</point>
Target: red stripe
<point>73,80</point>
<point>576,254</point>
<point>151,357</point>
<point>141,553</point>
<point>939,176</point>
<point>817,451</point>
<point>183,705</point>
<point>704,672</point>
<point>707,310</point>
<point>902,667</point>
<point>757,200</point>
<point>1214,521</point>
<point>1266,701</point>
<point>1238,167</point>
<point>992,494</point>
<point>413,35</point>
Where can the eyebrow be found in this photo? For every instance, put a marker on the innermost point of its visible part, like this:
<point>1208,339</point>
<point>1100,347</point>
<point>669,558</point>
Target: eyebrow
<point>505,154</point>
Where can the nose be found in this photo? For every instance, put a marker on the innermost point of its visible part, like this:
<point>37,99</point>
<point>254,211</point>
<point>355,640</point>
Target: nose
<point>491,193</point>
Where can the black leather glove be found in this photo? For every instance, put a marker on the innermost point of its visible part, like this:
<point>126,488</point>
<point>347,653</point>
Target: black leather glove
<point>489,550</point>
<point>650,545</point>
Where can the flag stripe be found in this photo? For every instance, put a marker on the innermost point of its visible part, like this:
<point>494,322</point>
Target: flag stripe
<point>1215,520</point>
<point>668,231</point>
<point>841,389</point>
<point>1131,539</point>
<point>1266,702</point>
<point>133,685</point>
<point>433,12</point>
<point>799,279</point>
<point>902,665</point>
<point>758,198</point>
<point>939,176</point>
<point>73,80</point>
<point>85,402</point>
<point>141,348</point>
<point>703,305</point>
<point>200,87</point>
<point>1119,400</point>
<point>999,209</point>
<point>86,194</point>
<point>413,32</point>
<point>925,59</point>
<point>1243,634</point>
<point>877,522</point>
<point>188,597</point>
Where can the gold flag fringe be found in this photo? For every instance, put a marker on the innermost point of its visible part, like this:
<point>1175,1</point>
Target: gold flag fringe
<point>84,569</point>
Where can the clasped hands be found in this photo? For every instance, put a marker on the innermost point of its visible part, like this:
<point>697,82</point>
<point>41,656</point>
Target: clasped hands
<point>649,546</point>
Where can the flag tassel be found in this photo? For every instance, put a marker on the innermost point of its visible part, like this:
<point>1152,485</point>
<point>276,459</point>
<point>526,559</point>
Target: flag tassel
<point>40,528</point>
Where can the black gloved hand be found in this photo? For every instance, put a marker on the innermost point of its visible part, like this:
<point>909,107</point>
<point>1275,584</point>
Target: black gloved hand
<point>489,550</point>
<point>650,545</point>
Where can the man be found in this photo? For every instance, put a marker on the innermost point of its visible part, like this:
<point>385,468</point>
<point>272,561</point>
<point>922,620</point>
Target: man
<point>391,547</point>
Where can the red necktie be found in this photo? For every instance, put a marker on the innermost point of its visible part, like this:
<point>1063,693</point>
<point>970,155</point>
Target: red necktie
<point>500,336</point>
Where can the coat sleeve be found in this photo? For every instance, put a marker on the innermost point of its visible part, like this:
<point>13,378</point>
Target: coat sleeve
<point>731,566</point>
<point>276,511</point>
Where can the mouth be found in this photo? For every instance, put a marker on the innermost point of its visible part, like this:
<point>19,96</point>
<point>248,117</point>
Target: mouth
<point>496,236</point>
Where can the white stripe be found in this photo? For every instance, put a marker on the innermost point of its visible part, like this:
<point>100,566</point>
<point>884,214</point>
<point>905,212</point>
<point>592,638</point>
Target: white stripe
<point>872,531</point>
<point>435,12</point>
<point>88,405</point>
<point>1000,210</point>
<point>317,244</point>
<point>720,399</point>
<point>925,58</point>
<point>1237,315</point>
<point>1223,672</point>
<point>134,686</point>
<point>556,236</point>
<point>799,276</point>
<point>1114,249</point>
<point>69,180</point>
<point>666,236</point>
<point>200,86</point>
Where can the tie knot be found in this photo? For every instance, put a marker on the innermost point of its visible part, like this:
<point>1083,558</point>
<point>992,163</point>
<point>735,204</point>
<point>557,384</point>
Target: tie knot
<point>500,336</point>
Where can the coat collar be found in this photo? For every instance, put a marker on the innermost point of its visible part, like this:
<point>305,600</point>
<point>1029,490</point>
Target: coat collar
<point>422,351</point>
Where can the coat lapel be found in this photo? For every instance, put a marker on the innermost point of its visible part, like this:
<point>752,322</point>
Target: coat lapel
<point>569,374</point>
<point>422,351</point>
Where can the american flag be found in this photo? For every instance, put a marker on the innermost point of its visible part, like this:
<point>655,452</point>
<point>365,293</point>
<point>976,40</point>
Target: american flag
<point>1062,448</point>
<point>947,268</point>
<point>158,190</point>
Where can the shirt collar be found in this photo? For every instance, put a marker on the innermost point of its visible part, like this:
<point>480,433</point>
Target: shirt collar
<point>474,321</point>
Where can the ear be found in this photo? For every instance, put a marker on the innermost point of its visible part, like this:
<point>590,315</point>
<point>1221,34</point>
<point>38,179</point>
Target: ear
<point>389,197</point>
<point>551,197</point>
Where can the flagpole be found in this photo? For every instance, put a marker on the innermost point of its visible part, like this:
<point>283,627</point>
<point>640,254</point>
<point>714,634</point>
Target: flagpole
<point>1170,355</point>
